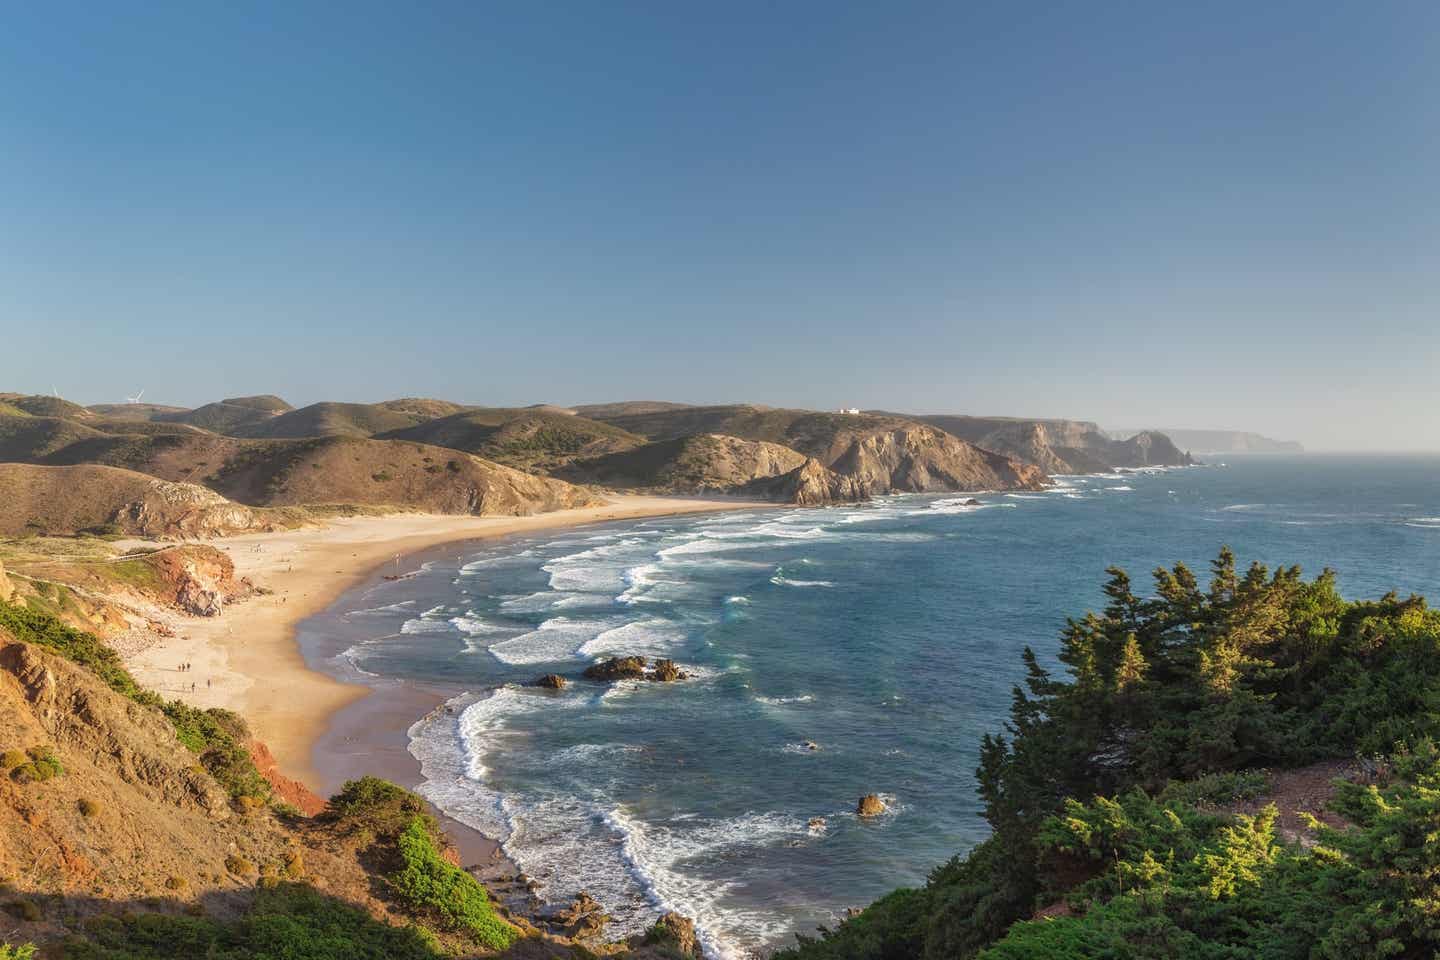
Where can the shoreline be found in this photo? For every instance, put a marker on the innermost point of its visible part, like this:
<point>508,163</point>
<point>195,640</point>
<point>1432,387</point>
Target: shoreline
<point>248,659</point>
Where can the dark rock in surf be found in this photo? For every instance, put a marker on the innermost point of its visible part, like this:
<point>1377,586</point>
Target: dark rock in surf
<point>551,681</point>
<point>675,934</point>
<point>617,668</point>
<point>870,806</point>
<point>666,671</point>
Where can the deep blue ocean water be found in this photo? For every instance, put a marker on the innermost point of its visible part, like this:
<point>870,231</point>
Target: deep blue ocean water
<point>887,633</point>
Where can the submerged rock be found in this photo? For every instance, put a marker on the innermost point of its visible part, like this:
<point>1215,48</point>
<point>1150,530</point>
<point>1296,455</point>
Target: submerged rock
<point>870,806</point>
<point>551,681</point>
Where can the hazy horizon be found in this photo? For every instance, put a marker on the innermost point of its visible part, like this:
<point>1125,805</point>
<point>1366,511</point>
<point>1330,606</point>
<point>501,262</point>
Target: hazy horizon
<point>1214,216</point>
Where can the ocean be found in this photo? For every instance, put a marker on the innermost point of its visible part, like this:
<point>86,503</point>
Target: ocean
<point>887,634</point>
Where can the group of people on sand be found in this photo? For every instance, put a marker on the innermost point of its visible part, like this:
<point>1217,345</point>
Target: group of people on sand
<point>185,668</point>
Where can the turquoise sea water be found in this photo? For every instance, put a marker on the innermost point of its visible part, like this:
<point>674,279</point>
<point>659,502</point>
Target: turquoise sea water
<point>888,633</point>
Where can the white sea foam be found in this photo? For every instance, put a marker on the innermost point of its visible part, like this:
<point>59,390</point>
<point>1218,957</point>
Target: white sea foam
<point>559,638</point>
<point>1121,487</point>
<point>783,581</point>
<point>423,626</point>
<point>783,701</point>
<point>737,599</point>
<point>404,606</point>
<point>537,602</point>
<point>473,625</point>
<point>657,853</point>
<point>651,637</point>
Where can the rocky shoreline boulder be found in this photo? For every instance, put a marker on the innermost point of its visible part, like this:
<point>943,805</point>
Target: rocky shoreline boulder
<point>551,681</point>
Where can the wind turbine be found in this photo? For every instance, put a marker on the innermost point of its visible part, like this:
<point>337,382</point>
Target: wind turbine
<point>136,398</point>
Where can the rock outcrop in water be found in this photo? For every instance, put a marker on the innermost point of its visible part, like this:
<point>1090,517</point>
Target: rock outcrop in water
<point>635,668</point>
<point>870,805</point>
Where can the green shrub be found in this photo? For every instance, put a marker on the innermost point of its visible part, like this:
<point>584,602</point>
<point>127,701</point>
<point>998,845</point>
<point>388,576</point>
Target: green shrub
<point>285,922</point>
<point>427,882</point>
<point>1215,789</point>
<point>11,759</point>
<point>19,951</point>
<point>377,805</point>
<point>239,866</point>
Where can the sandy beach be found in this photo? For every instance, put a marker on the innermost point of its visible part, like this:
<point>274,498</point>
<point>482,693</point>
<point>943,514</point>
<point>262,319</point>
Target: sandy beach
<point>247,659</point>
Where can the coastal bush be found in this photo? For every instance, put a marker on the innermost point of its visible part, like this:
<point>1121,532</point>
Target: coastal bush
<point>221,738</point>
<point>18,951</point>
<point>11,759</point>
<point>88,808</point>
<point>379,806</point>
<point>38,763</point>
<point>1173,706</point>
<point>427,882</point>
<point>239,866</point>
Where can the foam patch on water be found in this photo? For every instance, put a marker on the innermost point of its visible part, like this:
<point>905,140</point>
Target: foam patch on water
<point>780,580</point>
<point>559,638</point>
<point>422,626</point>
<point>404,606</point>
<point>651,638</point>
<point>473,625</point>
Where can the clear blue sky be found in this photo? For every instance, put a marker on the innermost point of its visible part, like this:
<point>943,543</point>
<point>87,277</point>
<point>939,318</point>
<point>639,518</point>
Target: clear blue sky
<point>1186,214</point>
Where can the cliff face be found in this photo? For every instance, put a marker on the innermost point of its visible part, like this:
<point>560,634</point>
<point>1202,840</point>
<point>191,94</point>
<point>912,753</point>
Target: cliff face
<point>1148,449</point>
<point>706,463</point>
<point>1061,446</point>
<point>810,485</point>
<point>918,458</point>
<point>155,815</point>
<point>880,453</point>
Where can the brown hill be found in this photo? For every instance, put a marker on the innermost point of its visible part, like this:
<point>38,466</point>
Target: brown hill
<point>328,471</point>
<point>69,500</point>
<point>348,419</point>
<point>389,474</point>
<point>606,411</point>
<point>38,405</point>
<point>25,438</point>
<point>135,411</point>
<point>233,414</point>
<point>536,439</point>
<point>706,463</point>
